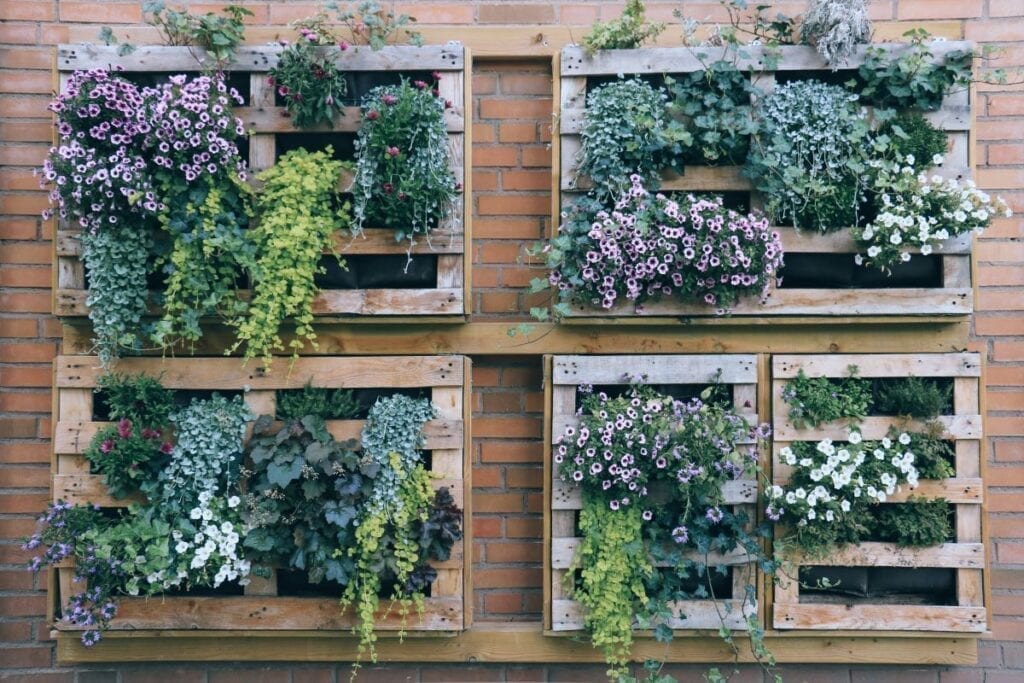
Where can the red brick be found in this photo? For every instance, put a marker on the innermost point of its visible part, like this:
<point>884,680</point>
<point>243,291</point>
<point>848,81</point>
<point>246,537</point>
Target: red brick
<point>514,553</point>
<point>938,9</point>
<point>484,84</point>
<point>502,602</point>
<point>1004,629</point>
<point>508,451</point>
<point>486,527</point>
<point>17,34</point>
<point>507,228</point>
<point>514,205</point>
<point>526,180</point>
<point>1005,155</point>
<point>22,606</point>
<point>37,82</point>
<point>1005,8</point>
<point>524,478</point>
<point>524,527</point>
<point>509,13</point>
<point>26,302</point>
<point>499,108</point>
<point>525,84</point>
<point>494,156</point>
<point>496,502</point>
<point>987,275</point>
<point>27,477</point>
<point>19,229</point>
<point>579,15</point>
<point>28,254</point>
<point>1009,501</point>
<point>15,631</point>
<point>104,13</point>
<point>24,452</point>
<point>498,302</point>
<point>27,377</point>
<point>484,276</point>
<point>517,132</point>
<point>29,58</point>
<point>993,129</point>
<point>485,377</point>
<point>998,325</point>
<point>536,156</point>
<point>28,657</point>
<point>485,181</point>
<point>18,428</point>
<point>317,675</point>
<point>487,477</point>
<point>36,352</point>
<point>1005,400</point>
<point>15,580</point>
<point>502,402</point>
<point>263,675</point>
<point>993,31</point>
<point>507,578</point>
<point>1001,178</point>
<point>159,675</point>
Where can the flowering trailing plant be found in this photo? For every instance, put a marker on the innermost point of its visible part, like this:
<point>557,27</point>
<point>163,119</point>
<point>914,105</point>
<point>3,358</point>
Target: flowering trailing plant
<point>652,470</point>
<point>652,246</point>
<point>918,211</point>
<point>307,75</point>
<point>403,177</point>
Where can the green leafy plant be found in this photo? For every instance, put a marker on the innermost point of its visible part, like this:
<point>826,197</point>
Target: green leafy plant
<point>810,155</point>
<point>299,213</point>
<point>816,400</point>
<point>911,78</point>
<point>916,397</point>
<point>371,24</point>
<point>219,35</point>
<point>912,136</point>
<point>403,177</point>
<point>131,453</point>
<point>915,523</point>
<point>750,25</point>
<point>327,404</point>
<point>307,75</point>
<point>305,490</point>
<point>628,31</point>
<point>714,106</point>
<point>836,28</point>
<point>627,131</point>
<point>933,455</point>
<point>652,471</point>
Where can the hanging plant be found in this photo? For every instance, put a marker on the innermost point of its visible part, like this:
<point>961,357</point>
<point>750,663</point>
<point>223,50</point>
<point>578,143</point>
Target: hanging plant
<point>650,247</point>
<point>652,471</point>
<point>627,131</point>
<point>714,106</point>
<point>307,75</point>
<point>911,78</point>
<point>299,213</point>
<point>836,28</point>
<point>403,178</point>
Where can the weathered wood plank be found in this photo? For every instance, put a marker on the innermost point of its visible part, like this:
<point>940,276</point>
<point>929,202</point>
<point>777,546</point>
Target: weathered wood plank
<point>967,492</point>
<point>876,427</point>
<point>564,549</point>
<point>657,60</point>
<point>804,241</point>
<point>671,369</point>
<point>222,373</point>
<point>273,119</point>
<point>568,496</point>
<point>158,58</point>
<point>259,613</point>
<point>871,554</point>
<point>880,617</point>
<point>878,365</point>
<point>73,437</point>
<point>567,615</point>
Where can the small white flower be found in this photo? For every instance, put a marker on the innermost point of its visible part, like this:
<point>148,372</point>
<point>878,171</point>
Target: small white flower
<point>234,501</point>
<point>811,514</point>
<point>874,251</point>
<point>854,437</point>
<point>937,160</point>
<point>926,249</point>
<point>904,438</point>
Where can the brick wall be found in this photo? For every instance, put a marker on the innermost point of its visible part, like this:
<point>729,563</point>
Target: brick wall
<point>511,202</point>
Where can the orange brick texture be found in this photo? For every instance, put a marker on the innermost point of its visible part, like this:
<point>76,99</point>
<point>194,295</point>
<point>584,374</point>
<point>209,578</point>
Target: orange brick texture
<point>512,208</point>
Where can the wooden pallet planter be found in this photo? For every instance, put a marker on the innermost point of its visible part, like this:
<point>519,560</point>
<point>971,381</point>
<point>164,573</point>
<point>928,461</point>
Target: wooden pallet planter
<point>796,609</point>
<point>952,296</point>
<point>269,125</point>
<point>448,608</point>
<point>562,615</point>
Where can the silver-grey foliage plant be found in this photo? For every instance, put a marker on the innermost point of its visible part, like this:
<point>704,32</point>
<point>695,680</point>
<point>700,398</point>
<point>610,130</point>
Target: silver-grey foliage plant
<point>836,28</point>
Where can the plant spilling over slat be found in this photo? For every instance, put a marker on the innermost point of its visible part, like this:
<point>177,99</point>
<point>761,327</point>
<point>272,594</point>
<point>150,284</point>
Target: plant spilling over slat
<point>300,212</point>
<point>186,535</point>
<point>628,31</point>
<point>327,404</point>
<point>403,177</point>
<point>652,471</point>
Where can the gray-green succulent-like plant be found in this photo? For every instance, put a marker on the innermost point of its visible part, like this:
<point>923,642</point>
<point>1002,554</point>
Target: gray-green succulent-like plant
<point>836,28</point>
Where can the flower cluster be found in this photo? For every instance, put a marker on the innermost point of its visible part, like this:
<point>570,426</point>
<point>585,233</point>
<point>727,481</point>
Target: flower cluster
<point>654,246</point>
<point>918,211</point>
<point>834,485</point>
<point>208,541</point>
<point>128,454</point>
<point>403,175</point>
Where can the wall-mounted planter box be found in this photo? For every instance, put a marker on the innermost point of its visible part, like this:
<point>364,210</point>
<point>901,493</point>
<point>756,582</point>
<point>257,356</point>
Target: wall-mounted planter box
<point>891,588</point>
<point>264,606</point>
<point>375,284</point>
<point>562,614</point>
<point>820,277</point>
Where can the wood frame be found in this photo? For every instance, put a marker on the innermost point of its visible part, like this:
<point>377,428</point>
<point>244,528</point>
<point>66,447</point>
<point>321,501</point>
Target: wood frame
<point>966,555</point>
<point>953,299</point>
<point>563,615</point>
<point>449,606</point>
<point>447,300</point>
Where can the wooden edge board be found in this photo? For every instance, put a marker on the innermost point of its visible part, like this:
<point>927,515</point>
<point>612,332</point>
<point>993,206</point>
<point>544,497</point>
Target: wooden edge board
<point>667,369</point>
<point>685,614</point>
<point>872,554</point>
<point>563,550</point>
<point>513,643</point>
<point>875,427</point>
<point>785,366</point>
<point>575,61</point>
<point>277,120</point>
<point>568,496</point>
<point>223,373</point>
<point>70,57</point>
<point>881,617</point>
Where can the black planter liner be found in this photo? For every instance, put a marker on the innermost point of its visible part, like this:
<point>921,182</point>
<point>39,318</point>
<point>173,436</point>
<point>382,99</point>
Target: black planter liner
<point>379,272</point>
<point>898,585</point>
<point>839,271</point>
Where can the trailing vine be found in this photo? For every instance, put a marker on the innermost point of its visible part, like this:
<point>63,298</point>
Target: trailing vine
<point>299,213</point>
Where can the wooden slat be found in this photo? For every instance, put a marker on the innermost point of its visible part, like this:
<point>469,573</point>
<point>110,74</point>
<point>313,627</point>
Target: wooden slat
<point>447,57</point>
<point>73,437</point>
<point>693,178</point>
<point>880,617</point>
<point>803,241</point>
<point>261,613</point>
<point>273,119</point>
<point>567,615</point>
<point>875,427</point>
<point>871,554</point>
<point>878,365</point>
<point>564,549</point>
<point>658,60</point>
<point>671,369</point>
<point>223,373</point>
<point>967,492</point>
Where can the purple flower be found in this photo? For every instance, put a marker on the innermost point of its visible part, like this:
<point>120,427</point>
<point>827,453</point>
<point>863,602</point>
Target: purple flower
<point>680,535</point>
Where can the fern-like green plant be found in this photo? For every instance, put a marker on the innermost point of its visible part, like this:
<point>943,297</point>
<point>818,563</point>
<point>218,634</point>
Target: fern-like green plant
<point>299,213</point>
<point>628,31</point>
